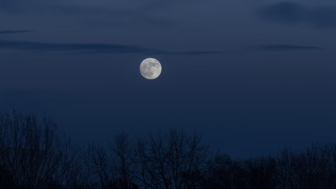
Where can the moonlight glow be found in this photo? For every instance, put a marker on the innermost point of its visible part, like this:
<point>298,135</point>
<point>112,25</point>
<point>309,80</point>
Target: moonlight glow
<point>150,68</point>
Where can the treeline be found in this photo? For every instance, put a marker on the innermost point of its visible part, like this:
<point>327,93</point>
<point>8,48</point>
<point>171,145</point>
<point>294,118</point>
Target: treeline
<point>36,154</point>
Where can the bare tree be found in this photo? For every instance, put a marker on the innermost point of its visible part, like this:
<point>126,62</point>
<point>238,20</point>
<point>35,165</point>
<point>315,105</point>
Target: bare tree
<point>220,173</point>
<point>110,168</point>
<point>32,150</point>
<point>261,172</point>
<point>36,154</point>
<point>170,160</point>
<point>122,151</point>
<point>285,172</point>
<point>6,179</point>
<point>98,171</point>
<point>314,167</point>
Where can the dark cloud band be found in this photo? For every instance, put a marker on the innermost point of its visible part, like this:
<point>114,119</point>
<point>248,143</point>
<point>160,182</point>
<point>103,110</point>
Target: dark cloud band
<point>284,47</point>
<point>89,48</point>
<point>294,13</point>
<point>14,31</point>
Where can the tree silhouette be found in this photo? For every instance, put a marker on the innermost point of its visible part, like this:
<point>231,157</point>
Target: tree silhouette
<point>33,153</point>
<point>36,154</point>
<point>170,160</point>
<point>221,173</point>
<point>122,150</point>
<point>262,173</point>
<point>110,168</point>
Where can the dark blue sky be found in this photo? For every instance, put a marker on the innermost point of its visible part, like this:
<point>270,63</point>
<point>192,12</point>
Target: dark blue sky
<point>250,76</point>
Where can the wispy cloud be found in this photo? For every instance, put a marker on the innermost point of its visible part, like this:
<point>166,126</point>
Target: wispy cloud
<point>322,17</point>
<point>89,48</point>
<point>283,47</point>
<point>106,14</point>
<point>197,53</point>
<point>117,15</point>
<point>16,6</point>
<point>14,31</point>
<point>155,5</point>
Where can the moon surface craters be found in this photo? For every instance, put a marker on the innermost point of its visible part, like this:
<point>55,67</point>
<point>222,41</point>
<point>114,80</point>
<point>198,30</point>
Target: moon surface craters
<point>150,68</point>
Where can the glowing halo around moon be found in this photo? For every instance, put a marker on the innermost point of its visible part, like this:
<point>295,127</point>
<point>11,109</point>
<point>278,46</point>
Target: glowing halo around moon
<point>150,68</point>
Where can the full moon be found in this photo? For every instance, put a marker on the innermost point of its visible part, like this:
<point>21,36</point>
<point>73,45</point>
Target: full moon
<point>150,68</point>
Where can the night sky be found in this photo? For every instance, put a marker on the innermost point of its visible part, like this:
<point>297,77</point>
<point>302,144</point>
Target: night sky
<point>250,76</point>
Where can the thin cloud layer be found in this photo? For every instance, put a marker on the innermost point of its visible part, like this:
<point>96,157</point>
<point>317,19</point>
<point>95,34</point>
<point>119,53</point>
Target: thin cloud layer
<point>128,49</point>
<point>294,13</point>
<point>125,15</point>
<point>107,15</point>
<point>155,5</point>
<point>89,48</point>
<point>14,31</point>
<point>16,6</point>
<point>284,47</point>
